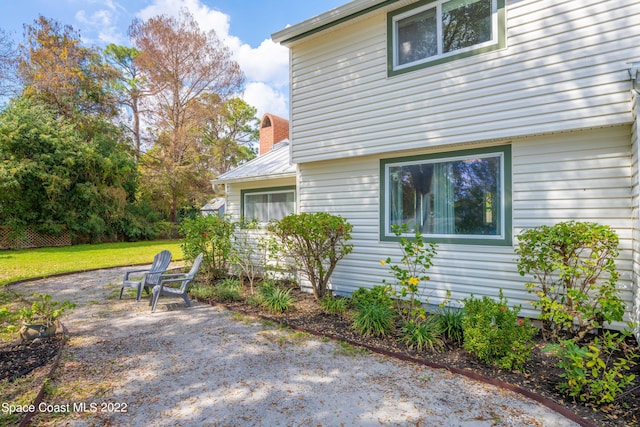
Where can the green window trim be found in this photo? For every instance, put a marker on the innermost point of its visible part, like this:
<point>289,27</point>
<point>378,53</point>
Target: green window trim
<point>393,70</point>
<point>266,190</point>
<point>505,235</point>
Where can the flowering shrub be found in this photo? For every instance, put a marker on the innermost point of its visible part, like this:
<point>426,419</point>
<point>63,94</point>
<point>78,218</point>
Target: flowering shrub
<point>494,333</point>
<point>210,235</point>
<point>416,259</point>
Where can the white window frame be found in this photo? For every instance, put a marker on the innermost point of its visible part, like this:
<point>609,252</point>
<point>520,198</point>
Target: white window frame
<point>261,192</point>
<point>440,55</point>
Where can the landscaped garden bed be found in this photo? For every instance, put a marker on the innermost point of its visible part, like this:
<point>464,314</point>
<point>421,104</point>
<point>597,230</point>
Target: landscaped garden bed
<point>569,357</point>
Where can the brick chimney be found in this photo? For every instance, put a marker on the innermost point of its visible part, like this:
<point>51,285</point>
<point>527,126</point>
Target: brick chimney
<point>273,129</point>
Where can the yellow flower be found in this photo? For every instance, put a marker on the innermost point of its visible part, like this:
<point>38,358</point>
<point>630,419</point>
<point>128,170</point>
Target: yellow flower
<point>383,262</point>
<point>414,280</point>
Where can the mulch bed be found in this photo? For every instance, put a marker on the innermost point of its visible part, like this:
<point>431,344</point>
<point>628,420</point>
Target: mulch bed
<point>18,358</point>
<point>540,376</point>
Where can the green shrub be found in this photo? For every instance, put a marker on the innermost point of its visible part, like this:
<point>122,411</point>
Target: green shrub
<point>210,235</point>
<point>228,290</point>
<point>44,310</point>
<point>316,242</point>
<point>495,334</point>
<point>254,299</point>
<point>275,298</point>
<point>591,372</point>
<point>422,334</point>
<point>203,291</point>
<point>574,265</point>
<point>376,294</point>
<point>374,318</point>
<point>450,324</point>
<point>334,305</point>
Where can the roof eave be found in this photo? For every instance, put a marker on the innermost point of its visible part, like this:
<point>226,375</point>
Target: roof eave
<point>254,178</point>
<point>328,19</point>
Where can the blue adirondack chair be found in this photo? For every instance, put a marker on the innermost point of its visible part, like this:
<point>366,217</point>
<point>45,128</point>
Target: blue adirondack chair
<point>147,278</point>
<point>182,281</point>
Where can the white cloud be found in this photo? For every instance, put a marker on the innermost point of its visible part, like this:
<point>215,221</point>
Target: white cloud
<point>267,62</point>
<point>267,99</point>
<point>103,22</point>
<point>266,67</point>
<point>208,19</point>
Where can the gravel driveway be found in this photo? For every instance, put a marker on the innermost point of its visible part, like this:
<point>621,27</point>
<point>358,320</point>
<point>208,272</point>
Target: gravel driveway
<point>206,366</point>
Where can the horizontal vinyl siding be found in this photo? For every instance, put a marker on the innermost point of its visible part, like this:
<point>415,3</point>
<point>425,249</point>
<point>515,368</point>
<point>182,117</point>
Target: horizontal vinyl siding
<point>549,185</point>
<point>565,68</point>
<point>583,176</point>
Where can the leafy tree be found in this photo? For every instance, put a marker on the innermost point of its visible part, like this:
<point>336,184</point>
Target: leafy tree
<point>171,179</point>
<point>58,70</point>
<point>129,87</point>
<point>229,129</point>
<point>54,177</point>
<point>180,64</point>
<point>316,242</point>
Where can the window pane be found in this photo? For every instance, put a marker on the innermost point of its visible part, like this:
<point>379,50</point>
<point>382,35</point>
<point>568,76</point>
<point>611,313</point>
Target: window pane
<point>256,207</point>
<point>281,205</point>
<point>465,23</point>
<point>417,37</point>
<point>267,206</point>
<point>458,197</point>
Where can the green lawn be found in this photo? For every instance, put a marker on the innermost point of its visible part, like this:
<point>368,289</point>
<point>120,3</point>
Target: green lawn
<point>30,263</point>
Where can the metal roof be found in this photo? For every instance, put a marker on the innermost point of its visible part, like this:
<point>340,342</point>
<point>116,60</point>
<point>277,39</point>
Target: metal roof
<point>274,164</point>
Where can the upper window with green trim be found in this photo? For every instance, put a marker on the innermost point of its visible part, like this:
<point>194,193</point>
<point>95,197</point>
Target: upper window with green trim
<point>432,32</point>
<point>461,197</point>
<point>265,205</point>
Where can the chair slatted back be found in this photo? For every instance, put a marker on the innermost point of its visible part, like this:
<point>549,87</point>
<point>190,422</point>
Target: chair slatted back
<point>192,273</point>
<point>160,264</point>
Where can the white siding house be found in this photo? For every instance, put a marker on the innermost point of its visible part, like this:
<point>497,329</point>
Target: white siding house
<point>539,102</point>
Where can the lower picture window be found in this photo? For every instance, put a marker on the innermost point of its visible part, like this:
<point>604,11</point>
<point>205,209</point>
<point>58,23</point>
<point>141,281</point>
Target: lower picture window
<point>454,197</point>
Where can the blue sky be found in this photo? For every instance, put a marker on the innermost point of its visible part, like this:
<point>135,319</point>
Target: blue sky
<point>245,25</point>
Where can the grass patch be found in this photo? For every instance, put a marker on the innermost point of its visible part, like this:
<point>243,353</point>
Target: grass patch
<point>43,262</point>
<point>346,349</point>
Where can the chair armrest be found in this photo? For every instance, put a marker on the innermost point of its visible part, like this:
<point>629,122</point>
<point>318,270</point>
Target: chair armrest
<point>163,281</point>
<point>126,275</point>
<point>173,275</point>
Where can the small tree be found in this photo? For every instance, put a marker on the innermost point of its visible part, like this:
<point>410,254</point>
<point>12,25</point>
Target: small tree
<point>245,255</point>
<point>270,252</point>
<point>574,265</point>
<point>316,242</point>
